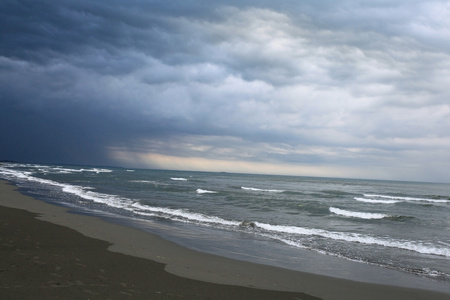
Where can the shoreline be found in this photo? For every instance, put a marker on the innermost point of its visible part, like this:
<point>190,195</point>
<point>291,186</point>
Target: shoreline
<point>202,268</point>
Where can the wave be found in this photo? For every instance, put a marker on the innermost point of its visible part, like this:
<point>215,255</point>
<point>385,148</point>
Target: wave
<point>97,170</point>
<point>178,179</point>
<point>109,200</point>
<point>127,204</point>
<point>144,181</point>
<point>62,170</point>
<point>368,216</point>
<point>58,170</point>
<point>14,174</point>
<point>427,272</point>
<point>80,191</point>
<point>376,201</point>
<point>418,247</point>
<point>407,199</point>
<point>200,191</point>
<point>356,214</point>
<point>183,215</point>
<point>261,190</point>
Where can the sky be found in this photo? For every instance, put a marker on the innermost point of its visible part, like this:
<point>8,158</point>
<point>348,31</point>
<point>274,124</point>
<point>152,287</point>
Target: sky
<point>357,89</point>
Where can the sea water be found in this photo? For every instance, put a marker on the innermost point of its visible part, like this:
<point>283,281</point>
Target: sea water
<point>375,231</point>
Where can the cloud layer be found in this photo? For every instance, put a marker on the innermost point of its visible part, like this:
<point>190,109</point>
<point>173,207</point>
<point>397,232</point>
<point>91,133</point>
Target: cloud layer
<point>331,89</point>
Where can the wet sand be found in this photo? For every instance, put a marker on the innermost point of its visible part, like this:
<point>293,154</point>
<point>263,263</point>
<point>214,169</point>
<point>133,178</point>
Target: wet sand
<point>49,253</point>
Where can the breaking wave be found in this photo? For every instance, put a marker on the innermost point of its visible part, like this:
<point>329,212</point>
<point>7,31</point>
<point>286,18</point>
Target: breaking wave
<point>376,201</point>
<point>407,199</point>
<point>261,190</point>
<point>357,214</point>
<point>419,247</point>
<point>200,191</point>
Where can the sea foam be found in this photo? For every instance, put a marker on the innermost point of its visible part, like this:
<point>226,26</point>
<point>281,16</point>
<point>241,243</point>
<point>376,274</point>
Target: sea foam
<point>379,201</point>
<point>183,215</point>
<point>261,190</point>
<point>80,191</point>
<point>408,199</point>
<point>357,214</point>
<point>201,191</point>
<point>418,247</point>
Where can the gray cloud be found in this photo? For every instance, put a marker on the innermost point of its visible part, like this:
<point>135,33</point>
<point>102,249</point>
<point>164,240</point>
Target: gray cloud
<point>347,84</point>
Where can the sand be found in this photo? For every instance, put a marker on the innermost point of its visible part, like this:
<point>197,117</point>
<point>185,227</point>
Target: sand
<point>50,253</point>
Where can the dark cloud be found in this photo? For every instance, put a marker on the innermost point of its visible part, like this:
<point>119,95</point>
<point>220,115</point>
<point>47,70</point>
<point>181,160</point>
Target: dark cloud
<point>351,85</point>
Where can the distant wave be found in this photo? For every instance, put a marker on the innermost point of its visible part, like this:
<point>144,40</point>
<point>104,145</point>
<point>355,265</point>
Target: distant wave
<point>63,170</point>
<point>261,190</point>
<point>178,179</point>
<point>357,214</point>
<point>97,170</point>
<point>66,170</point>
<point>144,181</point>
<point>408,199</point>
<point>200,191</point>
<point>376,200</point>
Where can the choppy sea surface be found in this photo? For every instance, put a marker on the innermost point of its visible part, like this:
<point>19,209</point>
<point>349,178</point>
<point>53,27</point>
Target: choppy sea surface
<point>375,231</point>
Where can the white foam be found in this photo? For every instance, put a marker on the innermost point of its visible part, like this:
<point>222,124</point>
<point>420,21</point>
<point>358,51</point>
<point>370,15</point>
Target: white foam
<point>357,214</point>
<point>124,203</point>
<point>184,215</point>
<point>376,200</point>
<point>64,170</point>
<point>19,165</point>
<point>145,214</point>
<point>144,181</point>
<point>200,191</point>
<point>261,190</point>
<point>419,247</point>
<point>406,198</point>
<point>59,170</point>
<point>80,191</point>
<point>178,179</point>
<point>97,170</point>
<point>110,200</point>
<point>16,174</point>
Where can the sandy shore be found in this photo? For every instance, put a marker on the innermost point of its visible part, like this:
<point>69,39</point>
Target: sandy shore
<point>49,253</point>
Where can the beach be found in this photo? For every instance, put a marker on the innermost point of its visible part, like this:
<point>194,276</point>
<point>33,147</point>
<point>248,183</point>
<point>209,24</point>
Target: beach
<point>50,253</point>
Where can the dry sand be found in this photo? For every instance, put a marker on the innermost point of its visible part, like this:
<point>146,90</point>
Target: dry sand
<point>49,253</point>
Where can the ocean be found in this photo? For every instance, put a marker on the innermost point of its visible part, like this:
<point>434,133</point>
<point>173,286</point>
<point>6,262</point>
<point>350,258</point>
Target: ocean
<point>387,232</point>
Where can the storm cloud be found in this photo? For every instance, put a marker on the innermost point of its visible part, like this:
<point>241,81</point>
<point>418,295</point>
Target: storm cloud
<point>348,88</point>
